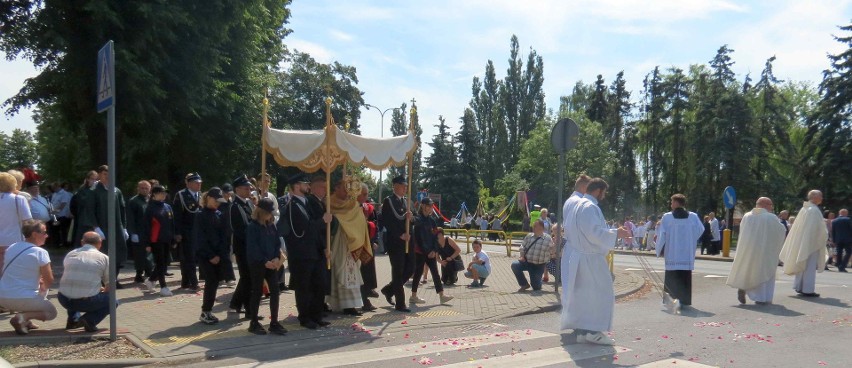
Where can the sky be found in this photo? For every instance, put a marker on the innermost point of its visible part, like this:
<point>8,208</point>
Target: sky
<point>431,50</point>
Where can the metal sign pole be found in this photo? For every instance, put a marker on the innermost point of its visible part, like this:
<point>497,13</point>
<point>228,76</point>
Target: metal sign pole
<point>105,100</point>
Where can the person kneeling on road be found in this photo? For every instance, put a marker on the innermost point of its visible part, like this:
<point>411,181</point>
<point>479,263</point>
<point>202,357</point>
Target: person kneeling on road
<point>80,290</point>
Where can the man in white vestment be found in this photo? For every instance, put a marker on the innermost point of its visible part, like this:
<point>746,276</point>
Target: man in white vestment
<point>804,250</point>
<point>568,212</point>
<point>676,239</point>
<point>589,300</point>
<point>760,241</point>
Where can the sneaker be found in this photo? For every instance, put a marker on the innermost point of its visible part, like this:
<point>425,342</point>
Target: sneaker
<point>150,285</point>
<point>474,284</point>
<point>446,298</point>
<point>165,292</point>
<point>208,318</point>
<point>599,338</point>
<point>415,299</point>
<point>256,328</point>
<point>277,328</point>
<point>481,281</point>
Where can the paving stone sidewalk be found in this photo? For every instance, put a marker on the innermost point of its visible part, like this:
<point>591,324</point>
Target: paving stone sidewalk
<point>168,327</point>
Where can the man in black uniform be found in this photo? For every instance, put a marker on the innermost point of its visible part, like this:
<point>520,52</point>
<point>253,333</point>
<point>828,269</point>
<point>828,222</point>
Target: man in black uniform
<point>238,216</point>
<point>316,202</point>
<point>394,214</point>
<point>301,226</point>
<point>187,204</point>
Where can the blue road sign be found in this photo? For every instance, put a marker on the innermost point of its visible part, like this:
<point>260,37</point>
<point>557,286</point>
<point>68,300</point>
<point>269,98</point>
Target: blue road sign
<point>106,78</point>
<point>729,196</point>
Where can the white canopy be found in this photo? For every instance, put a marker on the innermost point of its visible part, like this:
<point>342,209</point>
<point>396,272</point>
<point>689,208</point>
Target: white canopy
<point>311,150</point>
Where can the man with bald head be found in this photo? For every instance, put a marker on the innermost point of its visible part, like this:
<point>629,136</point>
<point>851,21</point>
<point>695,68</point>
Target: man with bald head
<point>760,241</point>
<point>84,288</point>
<point>804,252</point>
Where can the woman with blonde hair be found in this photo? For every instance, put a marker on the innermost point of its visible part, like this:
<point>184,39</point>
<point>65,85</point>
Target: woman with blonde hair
<point>263,253</point>
<point>27,278</point>
<point>14,210</point>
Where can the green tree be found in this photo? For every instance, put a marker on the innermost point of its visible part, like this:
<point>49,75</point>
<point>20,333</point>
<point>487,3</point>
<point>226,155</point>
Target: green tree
<point>18,149</point>
<point>829,135</point>
<point>188,75</point>
<point>469,159</point>
<point>650,140</point>
<point>399,126</point>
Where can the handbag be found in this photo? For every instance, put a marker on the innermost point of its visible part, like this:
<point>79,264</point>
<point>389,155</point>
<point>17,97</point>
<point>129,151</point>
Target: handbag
<point>459,264</point>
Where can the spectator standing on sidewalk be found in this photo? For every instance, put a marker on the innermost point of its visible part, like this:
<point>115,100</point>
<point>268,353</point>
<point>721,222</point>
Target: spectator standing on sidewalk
<point>157,236</point>
<point>211,247</point>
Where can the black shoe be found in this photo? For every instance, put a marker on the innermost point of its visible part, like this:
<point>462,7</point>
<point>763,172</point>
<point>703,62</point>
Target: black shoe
<point>87,327</point>
<point>277,328</point>
<point>369,308</point>
<point>402,309</point>
<point>322,323</point>
<point>741,296</point>
<point>311,325</point>
<point>72,325</point>
<point>283,287</point>
<point>118,286</point>
<point>352,312</point>
<point>842,270</point>
<point>372,294</point>
<point>810,295</point>
<point>138,279</point>
<point>256,328</point>
<point>169,274</point>
<point>388,296</point>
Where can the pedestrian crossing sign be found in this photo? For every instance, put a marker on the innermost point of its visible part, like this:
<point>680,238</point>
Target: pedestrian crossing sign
<point>106,78</point>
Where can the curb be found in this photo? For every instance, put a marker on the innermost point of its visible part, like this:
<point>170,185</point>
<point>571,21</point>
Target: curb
<point>701,257</point>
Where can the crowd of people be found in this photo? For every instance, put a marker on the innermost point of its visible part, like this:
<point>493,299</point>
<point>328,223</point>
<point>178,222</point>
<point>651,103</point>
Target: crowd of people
<point>329,242</point>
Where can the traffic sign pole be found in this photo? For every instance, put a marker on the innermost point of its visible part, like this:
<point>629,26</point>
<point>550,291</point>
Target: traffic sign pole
<point>563,137</point>
<point>105,100</point>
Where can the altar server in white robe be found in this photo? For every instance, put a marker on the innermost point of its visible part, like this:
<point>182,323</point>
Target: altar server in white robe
<point>804,250</point>
<point>758,246</point>
<point>568,212</point>
<point>677,237</point>
<point>590,300</point>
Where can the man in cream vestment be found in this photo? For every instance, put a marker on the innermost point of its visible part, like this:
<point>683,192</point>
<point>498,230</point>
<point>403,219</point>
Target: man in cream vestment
<point>350,247</point>
<point>760,241</point>
<point>589,298</point>
<point>804,250</point>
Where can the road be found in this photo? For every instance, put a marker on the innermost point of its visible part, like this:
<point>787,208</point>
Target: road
<point>716,331</point>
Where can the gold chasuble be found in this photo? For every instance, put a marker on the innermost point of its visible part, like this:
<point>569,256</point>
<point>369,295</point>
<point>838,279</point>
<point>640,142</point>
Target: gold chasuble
<point>352,222</point>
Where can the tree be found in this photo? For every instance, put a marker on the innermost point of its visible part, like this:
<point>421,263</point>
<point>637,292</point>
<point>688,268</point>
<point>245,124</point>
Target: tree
<point>469,158</point>
<point>443,173</point>
<point>829,135</point>
<point>399,126</point>
<point>17,150</point>
<point>650,144</point>
<point>188,75</point>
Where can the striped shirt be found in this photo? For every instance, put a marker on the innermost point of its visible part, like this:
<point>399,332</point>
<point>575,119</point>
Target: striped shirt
<point>86,268</point>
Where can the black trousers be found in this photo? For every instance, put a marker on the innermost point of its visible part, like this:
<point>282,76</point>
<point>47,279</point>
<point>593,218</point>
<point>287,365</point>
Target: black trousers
<point>211,283</point>
<point>843,260</point>
<point>240,298</point>
<point>679,285</point>
<point>422,259</point>
<point>260,273</point>
<point>188,267</point>
<point>402,268</point>
<point>368,275</point>
<point>307,277</point>
<point>159,251</point>
<point>449,275</point>
<point>141,262</point>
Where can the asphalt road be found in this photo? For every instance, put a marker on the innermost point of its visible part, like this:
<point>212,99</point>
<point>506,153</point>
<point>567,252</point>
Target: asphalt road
<point>716,331</point>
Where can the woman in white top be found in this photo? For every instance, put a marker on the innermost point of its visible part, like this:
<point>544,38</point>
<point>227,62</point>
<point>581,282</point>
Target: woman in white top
<point>14,209</point>
<point>27,278</point>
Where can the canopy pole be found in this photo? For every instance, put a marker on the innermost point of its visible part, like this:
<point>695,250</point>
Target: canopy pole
<point>410,176</point>
<point>329,122</point>
<point>264,189</point>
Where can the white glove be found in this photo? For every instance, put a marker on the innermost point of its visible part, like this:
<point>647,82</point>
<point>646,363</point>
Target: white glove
<point>134,238</point>
<point>100,233</point>
<point>126,235</point>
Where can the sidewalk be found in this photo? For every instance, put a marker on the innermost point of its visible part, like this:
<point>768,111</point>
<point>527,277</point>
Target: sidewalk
<point>169,327</point>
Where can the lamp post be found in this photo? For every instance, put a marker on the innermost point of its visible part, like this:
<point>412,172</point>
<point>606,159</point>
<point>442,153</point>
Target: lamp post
<point>381,134</point>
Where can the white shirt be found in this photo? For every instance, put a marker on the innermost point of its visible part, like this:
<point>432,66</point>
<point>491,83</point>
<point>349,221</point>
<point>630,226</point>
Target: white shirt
<point>14,209</point>
<point>40,208</point>
<point>484,257</point>
<point>676,239</point>
<point>639,232</point>
<point>714,230</point>
<point>59,198</point>
<point>85,269</point>
<point>20,278</point>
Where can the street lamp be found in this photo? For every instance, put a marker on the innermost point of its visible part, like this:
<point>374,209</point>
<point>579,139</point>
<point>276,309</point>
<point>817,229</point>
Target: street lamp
<point>382,134</point>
